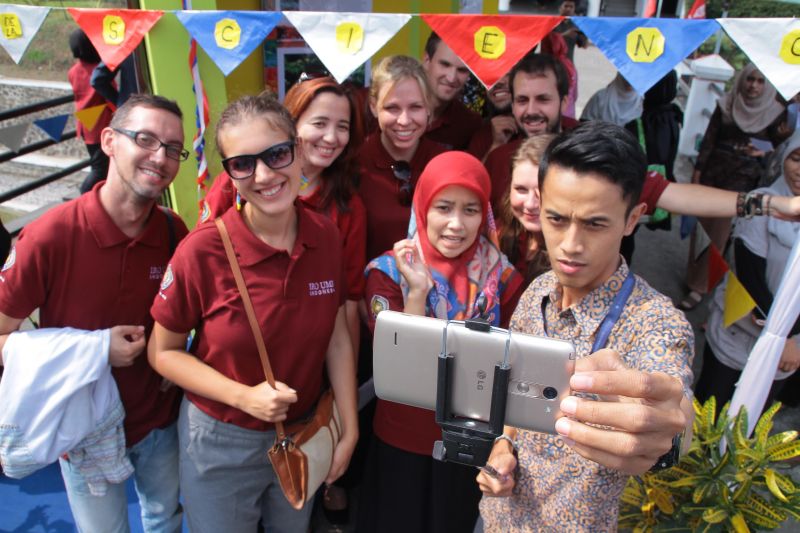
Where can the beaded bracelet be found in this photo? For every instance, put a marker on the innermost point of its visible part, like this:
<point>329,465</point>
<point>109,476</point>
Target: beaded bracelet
<point>740,200</point>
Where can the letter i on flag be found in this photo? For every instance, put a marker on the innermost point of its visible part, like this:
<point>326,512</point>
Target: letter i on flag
<point>738,302</point>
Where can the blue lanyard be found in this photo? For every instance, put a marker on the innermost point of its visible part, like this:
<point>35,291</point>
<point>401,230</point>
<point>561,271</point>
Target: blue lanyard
<point>614,312</point>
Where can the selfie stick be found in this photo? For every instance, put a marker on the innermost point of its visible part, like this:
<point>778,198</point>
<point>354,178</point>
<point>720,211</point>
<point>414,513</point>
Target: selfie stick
<point>465,440</point>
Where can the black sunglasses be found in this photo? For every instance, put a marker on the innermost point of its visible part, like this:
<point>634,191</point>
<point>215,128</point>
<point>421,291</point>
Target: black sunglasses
<point>402,173</point>
<point>276,157</point>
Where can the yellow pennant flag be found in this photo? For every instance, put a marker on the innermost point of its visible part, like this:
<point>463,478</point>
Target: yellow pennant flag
<point>88,117</point>
<point>738,303</point>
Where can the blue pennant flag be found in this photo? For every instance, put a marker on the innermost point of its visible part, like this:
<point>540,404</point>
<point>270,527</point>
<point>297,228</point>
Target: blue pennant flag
<point>228,37</point>
<point>644,50</point>
<point>688,224</point>
<point>53,126</point>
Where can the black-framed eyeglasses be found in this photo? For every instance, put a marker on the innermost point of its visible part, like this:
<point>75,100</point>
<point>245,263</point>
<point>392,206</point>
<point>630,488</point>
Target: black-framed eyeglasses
<point>150,142</point>
<point>276,157</point>
<point>402,173</point>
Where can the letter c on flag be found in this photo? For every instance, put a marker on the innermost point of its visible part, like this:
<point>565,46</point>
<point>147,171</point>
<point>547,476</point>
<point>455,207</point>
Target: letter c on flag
<point>227,34</point>
<point>790,48</point>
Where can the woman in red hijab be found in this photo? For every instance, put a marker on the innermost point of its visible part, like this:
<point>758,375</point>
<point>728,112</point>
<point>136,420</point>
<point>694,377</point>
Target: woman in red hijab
<point>449,265</point>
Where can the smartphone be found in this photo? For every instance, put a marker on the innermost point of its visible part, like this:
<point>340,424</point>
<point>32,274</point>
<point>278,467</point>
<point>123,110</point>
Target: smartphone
<point>405,355</point>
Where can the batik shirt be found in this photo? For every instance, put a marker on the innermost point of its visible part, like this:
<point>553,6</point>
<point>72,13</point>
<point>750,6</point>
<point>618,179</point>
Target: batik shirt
<point>557,489</point>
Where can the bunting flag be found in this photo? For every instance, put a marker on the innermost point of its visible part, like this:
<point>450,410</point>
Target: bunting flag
<point>490,45</point>
<point>773,45</point>
<point>344,41</point>
<point>12,136</point>
<point>19,25</point>
<point>88,116</point>
<point>644,50</point>
<point>228,37</point>
<point>738,302</point>
<point>698,10</point>
<point>54,126</point>
<point>688,223</point>
<point>115,32</point>
<point>717,267</point>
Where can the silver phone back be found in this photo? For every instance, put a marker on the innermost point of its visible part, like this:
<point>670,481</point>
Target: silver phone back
<point>405,352</point>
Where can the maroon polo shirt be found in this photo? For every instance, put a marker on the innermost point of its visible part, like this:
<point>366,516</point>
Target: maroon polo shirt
<point>454,127</point>
<point>410,428</point>
<point>81,271</point>
<point>654,186</point>
<point>295,295</point>
<point>387,220</point>
<point>352,226</point>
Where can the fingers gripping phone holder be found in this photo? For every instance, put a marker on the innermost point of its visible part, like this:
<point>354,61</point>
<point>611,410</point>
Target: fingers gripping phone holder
<point>465,440</point>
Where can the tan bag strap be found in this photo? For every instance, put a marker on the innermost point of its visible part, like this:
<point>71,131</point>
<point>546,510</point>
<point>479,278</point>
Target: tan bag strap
<point>251,314</point>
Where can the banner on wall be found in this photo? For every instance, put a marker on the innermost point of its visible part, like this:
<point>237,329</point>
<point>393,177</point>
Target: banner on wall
<point>228,37</point>
<point>644,50</point>
<point>115,33</point>
<point>489,45</point>
<point>773,45</point>
<point>345,41</point>
<point>19,25</point>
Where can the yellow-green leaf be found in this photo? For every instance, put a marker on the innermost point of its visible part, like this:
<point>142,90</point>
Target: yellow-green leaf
<point>781,452</point>
<point>688,481</point>
<point>702,491</point>
<point>772,485</point>
<point>781,438</point>
<point>714,516</point>
<point>764,425</point>
<point>722,462</point>
<point>662,500</point>
<point>739,523</point>
<point>742,490</point>
<point>759,520</point>
<point>709,413</point>
<point>761,507</point>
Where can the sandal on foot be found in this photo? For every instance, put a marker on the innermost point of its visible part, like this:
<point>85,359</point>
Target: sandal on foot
<point>690,301</point>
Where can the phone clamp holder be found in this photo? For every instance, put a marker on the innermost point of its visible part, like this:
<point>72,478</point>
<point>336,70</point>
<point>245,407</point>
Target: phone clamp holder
<point>465,440</point>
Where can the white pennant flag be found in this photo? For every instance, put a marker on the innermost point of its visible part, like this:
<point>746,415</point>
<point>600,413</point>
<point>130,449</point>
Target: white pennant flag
<point>344,41</point>
<point>773,45</point>
<point>18,26</point>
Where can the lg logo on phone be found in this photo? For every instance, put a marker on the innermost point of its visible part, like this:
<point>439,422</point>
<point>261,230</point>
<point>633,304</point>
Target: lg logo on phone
<point>481,379</point>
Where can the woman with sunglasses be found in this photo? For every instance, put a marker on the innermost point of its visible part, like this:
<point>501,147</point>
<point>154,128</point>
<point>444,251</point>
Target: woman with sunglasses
<point>449,267</point>
<point>393,157</point>
<point>290,257</point>
<point>328,134</point>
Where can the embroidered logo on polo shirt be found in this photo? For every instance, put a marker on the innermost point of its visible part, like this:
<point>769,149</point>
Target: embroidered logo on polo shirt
<point>12,257</point>
<point>319,288</point>
<point>166,281</point>
<point>156,272</point>
<point>378,304</point>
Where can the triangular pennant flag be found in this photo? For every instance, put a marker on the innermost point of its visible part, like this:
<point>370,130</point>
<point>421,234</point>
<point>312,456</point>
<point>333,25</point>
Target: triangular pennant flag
<point>88,116</point>
<point>698,10</point>
<point>701,240</point>
<point>490,45</point>
<point>344,41</point>
<point>738,302</point>
<point>12,136</point>
<point>115,32</point>
<point>773,45</point>
<point>228,37</point>
<point>688,224</point>
<point>54,126</point>
<point>19,25</point>
<point>717,267</point>
<point>644,50</point>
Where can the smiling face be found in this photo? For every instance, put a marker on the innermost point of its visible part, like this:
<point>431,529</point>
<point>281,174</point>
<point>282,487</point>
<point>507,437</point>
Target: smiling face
<point>271,192</point>
<point>141,173</point>
<point>500,95</point>
<point>537,106</point>
<point>524,196</point>
<point>791,171</point>
<point>323,131</point>
<point>453,220</point>
<point>584,217</point>
<point>446,73</point>
<point>402,117</point>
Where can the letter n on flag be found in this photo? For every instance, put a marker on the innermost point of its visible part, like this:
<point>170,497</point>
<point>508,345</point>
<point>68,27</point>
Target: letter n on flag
<point>115,32</point>
<point>490,45</point>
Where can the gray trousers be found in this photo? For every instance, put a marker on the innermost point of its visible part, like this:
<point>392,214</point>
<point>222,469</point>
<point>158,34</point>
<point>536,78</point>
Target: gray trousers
<point>227,482</point>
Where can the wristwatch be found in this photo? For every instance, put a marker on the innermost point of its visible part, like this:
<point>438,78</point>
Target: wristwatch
<point>672,457</point>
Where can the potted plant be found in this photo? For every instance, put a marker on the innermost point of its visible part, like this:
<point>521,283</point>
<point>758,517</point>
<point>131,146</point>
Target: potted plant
<point>746,487</point>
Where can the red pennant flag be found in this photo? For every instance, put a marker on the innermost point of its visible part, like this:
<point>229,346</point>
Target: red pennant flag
<point>650,9</point>
<point>490,45</point>
<point>717,267</point>
<point>115,32</point>
<point>698,10</point>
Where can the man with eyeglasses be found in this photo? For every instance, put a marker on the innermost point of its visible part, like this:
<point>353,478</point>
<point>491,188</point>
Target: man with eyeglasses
<point>96,263</point>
